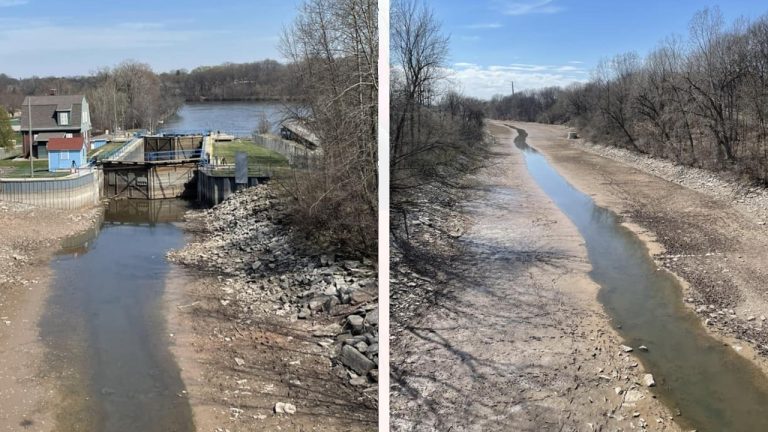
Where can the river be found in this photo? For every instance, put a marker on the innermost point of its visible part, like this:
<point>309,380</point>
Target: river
<point>714,388</point>
<point>104,328</point>
<point>238,118</point>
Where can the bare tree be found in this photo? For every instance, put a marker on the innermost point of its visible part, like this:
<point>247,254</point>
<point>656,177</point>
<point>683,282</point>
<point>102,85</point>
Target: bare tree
<point>334,49</point>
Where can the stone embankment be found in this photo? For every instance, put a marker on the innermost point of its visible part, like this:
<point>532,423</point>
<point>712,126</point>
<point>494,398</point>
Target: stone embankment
<point>262,265</point>
<point>750,199</point>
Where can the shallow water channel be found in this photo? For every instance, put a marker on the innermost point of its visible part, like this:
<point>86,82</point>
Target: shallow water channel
<point>714,388</point>
<point>104,328</point>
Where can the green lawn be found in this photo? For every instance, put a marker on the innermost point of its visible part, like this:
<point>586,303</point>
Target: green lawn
<point>257,155</point>
<point>104,149</point>
<point>15,169</point>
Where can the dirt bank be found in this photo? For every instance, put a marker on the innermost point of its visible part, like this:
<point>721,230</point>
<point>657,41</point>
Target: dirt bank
<point>259,322</point>
<point>29,236</point>
<point>709,237</point>
<point>512,336</point>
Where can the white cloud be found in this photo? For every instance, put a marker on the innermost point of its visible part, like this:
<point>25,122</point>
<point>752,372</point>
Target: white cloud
<point>44,37</point>
<point>486,81</point>
<point>529,7</point>
<point>9,3</point>
<point>483,26</point>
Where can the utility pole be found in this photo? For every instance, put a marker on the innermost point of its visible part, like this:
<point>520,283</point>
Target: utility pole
<point>513,87</point>
<point>31,138</point>
<point>114,106</point>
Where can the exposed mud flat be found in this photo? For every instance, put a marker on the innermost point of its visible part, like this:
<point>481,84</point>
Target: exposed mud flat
<point>712,239</point>
<point>513,338</point>
<point>29,237</point>
<point>646,307</point>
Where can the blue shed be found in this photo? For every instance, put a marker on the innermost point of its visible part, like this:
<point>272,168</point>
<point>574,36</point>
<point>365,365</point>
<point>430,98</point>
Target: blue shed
<point>97,143</point>
<point>66,153</point>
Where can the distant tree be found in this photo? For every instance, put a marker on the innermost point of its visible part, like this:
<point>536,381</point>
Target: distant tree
<point>6,132</point>
<point>264,125</point>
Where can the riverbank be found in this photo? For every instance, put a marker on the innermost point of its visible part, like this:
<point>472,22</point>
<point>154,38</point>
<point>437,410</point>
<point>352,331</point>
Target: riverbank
<point>511,336</point>
<point>29,237</point>
<point>704,228</point>
<point>271,333</point>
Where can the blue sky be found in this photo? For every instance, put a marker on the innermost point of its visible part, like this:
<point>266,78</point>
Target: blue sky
<point>538,43</point>
<point>46,37</point>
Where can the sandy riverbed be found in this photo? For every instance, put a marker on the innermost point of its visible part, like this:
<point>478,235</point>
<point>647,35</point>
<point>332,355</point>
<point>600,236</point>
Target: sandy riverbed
<point>29,236</point>
<point>516,339</point>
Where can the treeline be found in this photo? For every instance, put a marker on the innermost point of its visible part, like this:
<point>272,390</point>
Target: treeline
<point>699,101</point>
<point>131,95</point>
<point>437,135</point>
<point>263,80</point>
<point>333,46</point>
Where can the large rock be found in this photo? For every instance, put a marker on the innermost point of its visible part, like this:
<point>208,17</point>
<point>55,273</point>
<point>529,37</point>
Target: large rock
<point>372,317</point>
<point>355,360</point>
<point>356,323</point>
<point>648,380</point>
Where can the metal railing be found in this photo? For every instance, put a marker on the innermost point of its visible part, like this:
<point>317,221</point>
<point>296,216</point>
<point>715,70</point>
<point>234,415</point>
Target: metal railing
<point>116,153</point>
<point>170,155</point>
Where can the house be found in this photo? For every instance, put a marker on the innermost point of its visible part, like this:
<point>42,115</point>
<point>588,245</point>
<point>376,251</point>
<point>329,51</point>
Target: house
<point>65,153</point>
<point>54,117</point>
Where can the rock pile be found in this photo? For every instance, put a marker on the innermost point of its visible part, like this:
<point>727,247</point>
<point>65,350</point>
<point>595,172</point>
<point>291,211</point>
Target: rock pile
<point>750,199</point>
<point>248,242</point>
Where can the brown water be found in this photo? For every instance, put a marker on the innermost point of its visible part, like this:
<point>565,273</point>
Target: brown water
<point>714,388</point>
<point>103,327</point>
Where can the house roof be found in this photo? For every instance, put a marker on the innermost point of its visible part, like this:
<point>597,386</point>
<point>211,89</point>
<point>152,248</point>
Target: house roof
<point>44,110</point>
<point>45,136</point>
<point>75,143</point>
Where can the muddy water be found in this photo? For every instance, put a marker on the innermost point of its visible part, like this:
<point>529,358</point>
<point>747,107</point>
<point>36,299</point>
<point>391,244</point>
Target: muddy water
<point>103,326</point>
<point>714,388</point>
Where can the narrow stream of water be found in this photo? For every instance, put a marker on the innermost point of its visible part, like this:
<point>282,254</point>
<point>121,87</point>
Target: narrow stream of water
<point>714,388</point>
<point>104,327</point>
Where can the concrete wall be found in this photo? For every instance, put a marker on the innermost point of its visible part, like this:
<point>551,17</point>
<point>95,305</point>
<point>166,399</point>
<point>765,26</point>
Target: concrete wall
<point>72,192</point>
<point>213,189</point>
<point>146,181</point>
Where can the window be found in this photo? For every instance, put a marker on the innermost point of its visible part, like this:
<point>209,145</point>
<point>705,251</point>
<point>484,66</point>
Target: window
<point>63,118</point>
<point>64,155</point>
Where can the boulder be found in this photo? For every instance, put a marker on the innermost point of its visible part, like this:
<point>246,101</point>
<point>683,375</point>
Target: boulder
<point>648,380</point>
<point>355,360</point>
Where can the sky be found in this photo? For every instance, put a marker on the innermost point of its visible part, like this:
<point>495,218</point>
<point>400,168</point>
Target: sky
<point>539,43</point>
<point>46,37</point>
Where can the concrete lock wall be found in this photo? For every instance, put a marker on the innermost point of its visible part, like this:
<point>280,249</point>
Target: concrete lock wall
<point>213,189</point>
<point>68,193</point>
<point>147,181</point>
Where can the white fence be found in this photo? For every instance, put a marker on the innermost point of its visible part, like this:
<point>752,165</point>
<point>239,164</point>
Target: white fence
<point>298,156</point>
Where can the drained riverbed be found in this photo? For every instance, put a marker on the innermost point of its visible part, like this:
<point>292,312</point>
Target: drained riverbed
<point>713,387</point>
<point>104,330</point>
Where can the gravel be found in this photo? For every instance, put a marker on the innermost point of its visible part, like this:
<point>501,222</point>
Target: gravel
<point>248,242</point>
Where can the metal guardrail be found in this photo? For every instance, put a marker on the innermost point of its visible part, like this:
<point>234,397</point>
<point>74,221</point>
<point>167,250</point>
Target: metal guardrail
<point>173,155</point>
<point>116,153</point>
<point>228,170</point>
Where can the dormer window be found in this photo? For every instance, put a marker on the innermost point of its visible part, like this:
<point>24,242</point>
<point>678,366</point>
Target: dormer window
<point>63,118</point>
